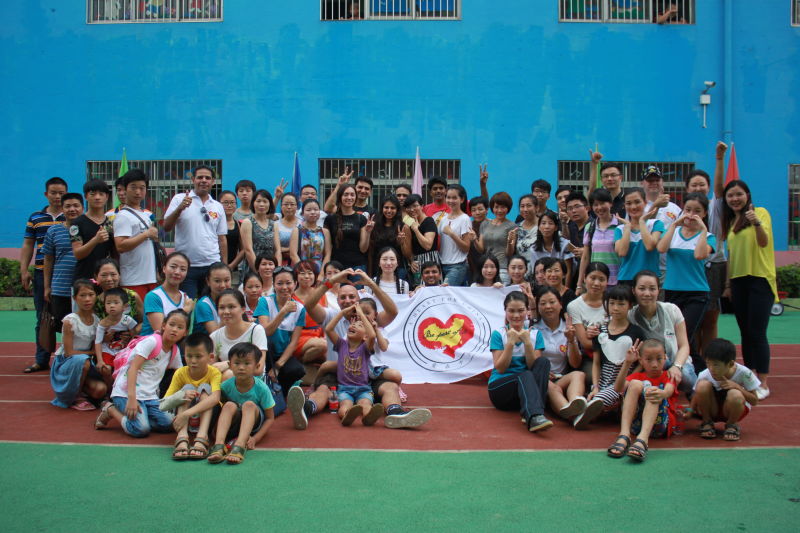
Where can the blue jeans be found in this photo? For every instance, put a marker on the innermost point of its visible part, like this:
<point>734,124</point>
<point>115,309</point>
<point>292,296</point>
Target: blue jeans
<point>688,378</point>
<point>195,281</point>
<point>42,355</point>
<point>355,393</point>
<point>149,418</point>
<point>455,274</point>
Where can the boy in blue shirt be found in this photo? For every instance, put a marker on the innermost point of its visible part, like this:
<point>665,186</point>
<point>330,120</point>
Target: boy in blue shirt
<point>59,261</point>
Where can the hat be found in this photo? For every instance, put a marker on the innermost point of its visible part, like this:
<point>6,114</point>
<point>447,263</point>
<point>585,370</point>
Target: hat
<point>651,172</point>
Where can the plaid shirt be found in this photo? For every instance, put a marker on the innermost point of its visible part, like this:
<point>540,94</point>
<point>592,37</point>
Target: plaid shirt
<point>36,228</point>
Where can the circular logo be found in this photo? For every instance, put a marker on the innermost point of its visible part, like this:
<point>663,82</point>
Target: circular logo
<point>443,333</point>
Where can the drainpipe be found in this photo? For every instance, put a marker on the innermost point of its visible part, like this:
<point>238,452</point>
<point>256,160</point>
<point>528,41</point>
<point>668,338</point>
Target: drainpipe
<point>727,71</point>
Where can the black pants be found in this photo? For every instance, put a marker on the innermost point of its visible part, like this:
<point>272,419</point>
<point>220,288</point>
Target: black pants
<point>292,370</point>
<point>752,300</point>
<point>525,391</point>
<point>693,305</point>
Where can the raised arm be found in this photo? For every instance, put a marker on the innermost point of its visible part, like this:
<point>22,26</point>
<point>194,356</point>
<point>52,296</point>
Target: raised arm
<point>389,312</point>
<point>719,169</point>
<point>594,158</point>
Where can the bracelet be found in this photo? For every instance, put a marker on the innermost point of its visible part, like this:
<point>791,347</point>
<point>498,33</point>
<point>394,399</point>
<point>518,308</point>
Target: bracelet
<point>328,284</point>
<point>757,224</point>
<point>679,367</point>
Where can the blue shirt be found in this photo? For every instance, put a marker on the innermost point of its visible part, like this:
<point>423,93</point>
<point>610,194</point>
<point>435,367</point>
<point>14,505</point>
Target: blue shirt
<point>268,306</point>
<point>638,258</point>
<point>518,364</point>
<point>259,393</point>
<point>58,244</point>
<point>158,301</point>
<point>684,272</point>
<point>204,311</point>
<point>36,229</point>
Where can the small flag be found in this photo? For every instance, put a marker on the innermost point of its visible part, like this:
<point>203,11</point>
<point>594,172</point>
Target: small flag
<point>733,167</point>
<point>123,169</point>
<point>296,182</point>
<point>416,184</point>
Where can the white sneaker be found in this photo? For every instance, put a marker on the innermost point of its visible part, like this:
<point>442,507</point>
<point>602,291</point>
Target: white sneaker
<point>593,409</point>
<point>295,401</point>
<point>762,393</point>
<point>573,408</point>
<point>172,402</point>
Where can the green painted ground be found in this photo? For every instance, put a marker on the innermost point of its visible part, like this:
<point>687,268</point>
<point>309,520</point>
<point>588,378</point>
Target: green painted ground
<point>102,488</point>
<point>17,326</point>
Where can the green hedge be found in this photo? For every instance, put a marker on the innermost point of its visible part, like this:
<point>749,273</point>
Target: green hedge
<point>10,284</point>
<point>789,279</point>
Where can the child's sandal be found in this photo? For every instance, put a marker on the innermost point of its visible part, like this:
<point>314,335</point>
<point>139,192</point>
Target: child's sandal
<point>236,452</point>
<point>618,449</point>
<point>707,430</point>
<point>199,449</point>
<point>217,454</point>
<point>637,451</point>
<point>178,453</point>
<point>732,433</point>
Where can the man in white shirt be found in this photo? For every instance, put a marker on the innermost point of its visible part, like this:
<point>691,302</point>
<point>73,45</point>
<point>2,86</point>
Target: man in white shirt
<point>134,232</point>
<point>200,228</point>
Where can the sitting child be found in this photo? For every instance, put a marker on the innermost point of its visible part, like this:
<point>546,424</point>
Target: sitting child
<point>134,398</point>
<point>115,323</point>
<point>355,393</point>
<point>194,391</point>
<point>247,413</point>
<point>650,400</point>
<point>724,391</point>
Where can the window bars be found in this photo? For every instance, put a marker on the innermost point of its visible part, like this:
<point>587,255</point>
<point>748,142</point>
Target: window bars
<point>122,11</point>
<point>627,11</point>
<point>390,10</point>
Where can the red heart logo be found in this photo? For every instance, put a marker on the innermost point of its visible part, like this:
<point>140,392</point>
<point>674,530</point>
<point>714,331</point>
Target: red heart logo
<point>449,336</point>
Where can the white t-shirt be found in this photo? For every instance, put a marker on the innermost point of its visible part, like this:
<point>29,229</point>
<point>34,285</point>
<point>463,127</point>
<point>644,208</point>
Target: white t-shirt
<point>742,376</point>
<point>667,215</point>
<point>583,313</point>
<point>672,317</point>
<point>195,236</point>
<point>449,252</point>
<point>150,373</point>
<point>223,344</point>
<point>126,323</point>
<point>556,347</point>
<point>390,287</point>
<point>340,329</point>
<point>137,266</point>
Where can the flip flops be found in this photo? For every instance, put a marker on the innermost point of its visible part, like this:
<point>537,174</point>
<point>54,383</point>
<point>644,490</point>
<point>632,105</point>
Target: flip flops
<point>82,404</point>
<point>36,367</point>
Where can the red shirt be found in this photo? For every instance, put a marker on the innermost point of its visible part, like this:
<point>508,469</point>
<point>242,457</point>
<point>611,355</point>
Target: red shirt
<point>431,209</point>
<point>661,382</point>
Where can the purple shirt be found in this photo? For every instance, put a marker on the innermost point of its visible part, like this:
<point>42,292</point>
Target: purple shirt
<point>352,367</point>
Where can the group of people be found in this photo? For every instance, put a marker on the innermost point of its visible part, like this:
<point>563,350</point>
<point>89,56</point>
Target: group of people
<point>618,293</point>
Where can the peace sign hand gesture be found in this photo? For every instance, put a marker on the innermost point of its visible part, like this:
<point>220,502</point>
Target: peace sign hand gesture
<point>569,332</point>
<point>280,189</point>
<point>483,173</point>
<point>345,178</point>
<point>633,352</point>
<point>370,224</point>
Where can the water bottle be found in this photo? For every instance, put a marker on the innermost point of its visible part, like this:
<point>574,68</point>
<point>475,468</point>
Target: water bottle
<point>646,385</point>
<point>333,401</point>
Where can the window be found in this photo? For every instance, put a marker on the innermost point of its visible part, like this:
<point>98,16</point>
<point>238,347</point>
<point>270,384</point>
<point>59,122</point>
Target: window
<point>113,11</point>
<point>795,12</point>
<point>167,178</point>
<point>575,174</point>
<point>630,11</point>
<point>390,9</point>
<point>386,174</point>
<point>794,207</point>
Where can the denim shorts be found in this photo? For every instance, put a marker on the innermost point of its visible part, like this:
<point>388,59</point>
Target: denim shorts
<point>150,418</point>
<point>355,393</point>
<point>455,274</point>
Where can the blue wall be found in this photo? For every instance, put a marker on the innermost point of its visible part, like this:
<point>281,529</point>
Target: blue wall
<point>508,86</point>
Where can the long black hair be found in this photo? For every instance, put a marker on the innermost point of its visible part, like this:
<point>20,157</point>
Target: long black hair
<point>538,245</point>
<point>339,217</point>
<point>729,215</point>
<point>397,281</point>
<point>383,232</point>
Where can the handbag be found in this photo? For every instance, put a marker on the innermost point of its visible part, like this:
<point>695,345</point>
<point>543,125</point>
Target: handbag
<point>277,395</point>
<point>158,250</point>
<point>47,330</point>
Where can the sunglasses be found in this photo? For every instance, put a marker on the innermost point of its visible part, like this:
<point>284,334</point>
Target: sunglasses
<point>282,269</point>
<point>204,211</point>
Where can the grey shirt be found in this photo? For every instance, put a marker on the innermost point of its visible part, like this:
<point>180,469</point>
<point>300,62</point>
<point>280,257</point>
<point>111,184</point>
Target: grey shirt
<point>495,239</point>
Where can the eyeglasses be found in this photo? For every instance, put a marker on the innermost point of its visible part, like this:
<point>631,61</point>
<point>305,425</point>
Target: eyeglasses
<point>229,202</point>
<point>575,207</point>
<point>204,211</point>
<point>614,175</point>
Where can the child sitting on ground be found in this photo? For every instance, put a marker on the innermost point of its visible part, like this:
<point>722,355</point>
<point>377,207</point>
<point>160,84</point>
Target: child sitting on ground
<point>115,323</point>
<point>134,398</point>
<point>194,391</point>
<point>725,391</point>
<point>247,413</point>
<point>355,393</point>
<point>650,401</point>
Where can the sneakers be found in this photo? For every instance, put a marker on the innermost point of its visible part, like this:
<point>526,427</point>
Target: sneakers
<point>295,401</point>
<point>539,423</point>
<point>172,402</point>
<point>762,393</point>
<point>104,417</point>
<point>593,409</point>
<point>407,419</point>
<point>575,407</point>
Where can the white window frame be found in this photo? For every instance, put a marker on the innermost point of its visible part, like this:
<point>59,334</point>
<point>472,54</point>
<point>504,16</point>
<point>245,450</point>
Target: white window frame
<point>337,10</point>
<point>606,11</point>
<point>181,15</point>
<point>794,210</point>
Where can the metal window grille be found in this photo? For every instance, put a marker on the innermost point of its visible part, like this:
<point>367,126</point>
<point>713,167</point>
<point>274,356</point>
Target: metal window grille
<point>166,179</point>
<point>386,174</point>
<point>390,9</point>
<point>575,174</point>
<point>795,12</point>
<point>627,11</point>
<point>794,207</point>
<point>119,11</point>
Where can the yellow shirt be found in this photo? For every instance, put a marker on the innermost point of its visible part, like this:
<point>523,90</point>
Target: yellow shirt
<point>747,258</point>
<point>182,377</point>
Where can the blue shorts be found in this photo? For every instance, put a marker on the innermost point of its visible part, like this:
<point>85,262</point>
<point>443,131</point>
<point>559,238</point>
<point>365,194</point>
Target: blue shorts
<point>354,393</point>
<point>376,371</point>
<point>150,418</point>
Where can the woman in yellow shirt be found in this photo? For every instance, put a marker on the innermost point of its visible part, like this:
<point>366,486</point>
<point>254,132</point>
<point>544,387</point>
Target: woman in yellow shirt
<point>751,275</point>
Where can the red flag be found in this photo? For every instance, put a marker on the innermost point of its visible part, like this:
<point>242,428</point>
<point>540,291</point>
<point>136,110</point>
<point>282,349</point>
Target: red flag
<point>733,167</point>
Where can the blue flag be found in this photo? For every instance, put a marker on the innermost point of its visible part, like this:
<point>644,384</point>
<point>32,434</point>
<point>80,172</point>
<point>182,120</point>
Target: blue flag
<point>296,182</point>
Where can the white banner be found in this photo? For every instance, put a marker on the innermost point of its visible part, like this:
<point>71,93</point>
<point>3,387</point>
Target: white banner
<point>441,335</point>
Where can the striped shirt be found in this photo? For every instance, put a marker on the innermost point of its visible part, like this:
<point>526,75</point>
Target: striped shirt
<point>602,241</point>
<point>36,228</point>
<point>58,244</point>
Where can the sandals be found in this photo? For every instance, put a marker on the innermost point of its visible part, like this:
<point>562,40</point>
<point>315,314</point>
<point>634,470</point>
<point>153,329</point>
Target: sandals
<point>638,452</point>
<point>707,430</point>
<point>351,415</point>
<point>217,454</point>
<point>36,367</point>
<point>199,449</point>
<point>732,433</point>
<point>82,404</point>
<point>104,417</point>
<point>618,449</point>
<point>373,415</point>
<point>181,454</point>
<point>236,452</point>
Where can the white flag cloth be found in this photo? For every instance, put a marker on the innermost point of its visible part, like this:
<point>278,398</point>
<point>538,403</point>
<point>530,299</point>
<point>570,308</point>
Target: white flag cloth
<point>416,184</point>
<point>441,335</point>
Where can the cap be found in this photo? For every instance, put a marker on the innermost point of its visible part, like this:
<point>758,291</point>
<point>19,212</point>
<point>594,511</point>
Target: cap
<point>651,172</point>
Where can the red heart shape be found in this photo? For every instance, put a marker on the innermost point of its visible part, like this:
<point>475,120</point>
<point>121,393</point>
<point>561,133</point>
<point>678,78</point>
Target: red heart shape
<point>449,336</point>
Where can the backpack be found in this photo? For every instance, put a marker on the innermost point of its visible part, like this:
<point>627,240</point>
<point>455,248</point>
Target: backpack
<point>123,357</point>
